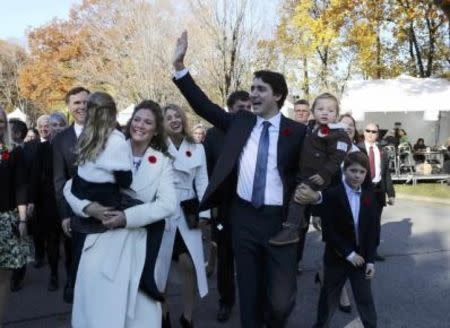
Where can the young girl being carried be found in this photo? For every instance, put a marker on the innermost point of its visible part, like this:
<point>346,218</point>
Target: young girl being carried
<point>104,162</point>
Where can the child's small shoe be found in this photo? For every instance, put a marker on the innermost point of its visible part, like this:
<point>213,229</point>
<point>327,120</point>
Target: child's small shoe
<point>286,236</point>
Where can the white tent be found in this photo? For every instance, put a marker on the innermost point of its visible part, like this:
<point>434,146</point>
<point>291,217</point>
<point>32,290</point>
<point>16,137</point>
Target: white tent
<point>288,108</point>
<point>422,105</point>
<point>17,114</point>
<point>124,115</point>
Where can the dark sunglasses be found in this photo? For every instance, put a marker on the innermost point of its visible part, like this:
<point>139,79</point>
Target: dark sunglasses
<point>372,131</point>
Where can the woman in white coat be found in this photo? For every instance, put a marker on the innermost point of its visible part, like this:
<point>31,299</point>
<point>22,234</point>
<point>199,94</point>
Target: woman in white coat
<point>191,180</point>
<point>107,292</point>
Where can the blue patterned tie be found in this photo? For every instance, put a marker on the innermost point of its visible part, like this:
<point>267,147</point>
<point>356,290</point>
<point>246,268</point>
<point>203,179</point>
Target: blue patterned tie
<point>259,181</point>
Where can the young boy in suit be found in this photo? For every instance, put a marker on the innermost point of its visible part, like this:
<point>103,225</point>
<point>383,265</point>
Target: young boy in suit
<point>349,231</point>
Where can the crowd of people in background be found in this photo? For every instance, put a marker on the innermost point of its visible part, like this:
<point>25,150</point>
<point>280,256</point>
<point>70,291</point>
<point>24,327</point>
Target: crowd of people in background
<point>130,207</point>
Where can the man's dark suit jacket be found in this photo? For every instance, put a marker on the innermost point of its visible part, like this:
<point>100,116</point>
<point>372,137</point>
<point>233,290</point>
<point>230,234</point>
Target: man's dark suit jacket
<point>237,129</point>
<point>213,149</point>
<point>338,227</point>
<point>42,189</point>
<point>63,166</point>
<point>385,186</point>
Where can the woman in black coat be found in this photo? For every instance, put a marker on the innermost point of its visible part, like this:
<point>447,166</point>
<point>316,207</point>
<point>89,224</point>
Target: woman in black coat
<point>15,247</point>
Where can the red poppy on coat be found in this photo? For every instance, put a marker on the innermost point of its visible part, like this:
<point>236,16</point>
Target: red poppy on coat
<point>188,153</point>
<point>324,129</point>
<point>366,201</point>
<point>152,159</point>
<point>5,155</point>
<point>286,132</point>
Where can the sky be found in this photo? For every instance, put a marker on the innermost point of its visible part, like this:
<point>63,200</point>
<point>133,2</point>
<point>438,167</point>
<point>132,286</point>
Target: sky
<point>18,15</point>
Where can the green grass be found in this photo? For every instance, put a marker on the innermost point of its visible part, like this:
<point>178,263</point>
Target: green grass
<point>435,190</point>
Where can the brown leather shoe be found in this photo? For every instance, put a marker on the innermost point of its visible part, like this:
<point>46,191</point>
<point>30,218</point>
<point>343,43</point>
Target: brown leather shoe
<point>288,235</point>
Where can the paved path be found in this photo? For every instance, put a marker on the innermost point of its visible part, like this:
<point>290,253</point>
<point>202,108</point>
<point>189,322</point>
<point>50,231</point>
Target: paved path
<point>412,288</point>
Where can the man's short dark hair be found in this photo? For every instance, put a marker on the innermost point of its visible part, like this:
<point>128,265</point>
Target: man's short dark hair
<point>18,127</point>
<point>302,102</point>
<point>276,81</point>
<point>236,96</point>
<point>75,91</point>
<point>357,157</point>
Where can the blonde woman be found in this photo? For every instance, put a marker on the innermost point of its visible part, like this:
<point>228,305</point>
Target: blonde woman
<point>15,247</point>
<point>199,133</point>
<point>182,239</point>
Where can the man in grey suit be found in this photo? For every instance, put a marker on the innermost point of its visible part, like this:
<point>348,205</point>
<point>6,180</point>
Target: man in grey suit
<point>63,170</point>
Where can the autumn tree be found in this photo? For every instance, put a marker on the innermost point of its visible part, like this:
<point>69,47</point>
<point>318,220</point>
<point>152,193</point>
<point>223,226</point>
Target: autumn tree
<point>12,58</point>
<point>224,35</point>
<point>422,30</point>
<point>49,72</point>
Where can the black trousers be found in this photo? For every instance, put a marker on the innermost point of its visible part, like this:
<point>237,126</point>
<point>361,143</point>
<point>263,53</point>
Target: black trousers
<point>46,241</point>
<point>379,209</point>
<point>336,272</point>
<point>266,275</point>
<point>225,262</point>
<point>77,242</point>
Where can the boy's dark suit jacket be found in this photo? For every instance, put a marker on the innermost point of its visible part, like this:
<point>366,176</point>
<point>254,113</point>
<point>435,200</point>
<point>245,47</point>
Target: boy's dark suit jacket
<point>338,228</point>
<point>237,128</point>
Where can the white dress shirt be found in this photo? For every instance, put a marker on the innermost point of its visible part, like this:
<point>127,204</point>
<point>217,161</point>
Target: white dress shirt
<point>376,152</point>
<point>78,129</point>
<point>273,194</point>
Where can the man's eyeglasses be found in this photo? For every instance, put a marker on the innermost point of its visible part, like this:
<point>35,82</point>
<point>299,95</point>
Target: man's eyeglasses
<point>372,131</point>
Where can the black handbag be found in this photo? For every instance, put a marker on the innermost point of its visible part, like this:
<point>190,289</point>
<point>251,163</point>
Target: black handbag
<point>191,210</point>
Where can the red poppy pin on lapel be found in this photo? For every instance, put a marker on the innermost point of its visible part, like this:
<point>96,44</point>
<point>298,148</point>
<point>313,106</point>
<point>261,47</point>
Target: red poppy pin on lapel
<point>324,130</point>
<point>188,153</point>
<point>4,153</point>
<point>366,201</point>
<point>152,159</point>
<point>286,132</point>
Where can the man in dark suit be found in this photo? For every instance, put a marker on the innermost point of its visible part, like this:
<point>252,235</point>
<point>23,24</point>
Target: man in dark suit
<point>64,169</point>
<point>43,200</point>
<point>349,224</point>
<point>221,229</point>
<point>379,174</point>
<point>257,171</point>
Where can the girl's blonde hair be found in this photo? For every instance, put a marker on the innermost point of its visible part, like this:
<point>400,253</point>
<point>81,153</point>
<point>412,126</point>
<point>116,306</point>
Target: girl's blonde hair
<point>326,95</point>
<point>6,138</point>
<point>101,121</point>
<point>184,121</point>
